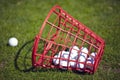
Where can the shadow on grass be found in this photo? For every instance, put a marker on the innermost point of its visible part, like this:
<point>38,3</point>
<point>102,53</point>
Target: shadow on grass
<point>23,60</point>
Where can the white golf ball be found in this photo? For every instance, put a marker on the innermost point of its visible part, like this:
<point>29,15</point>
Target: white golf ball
<point>89,63</point>
<point>61,54</point>
<point>56,60</point>
<point>74,49</point>
<point>13,41</point>
<point>83,54</point>
<point>93,54</point>
<point>74,52</point>
<point>72,63</point>
<point>82,58</point>
<point>80,65</point>
<point>65,55</point>
<point>84,50</point>
<point>64,63</point>
<point>90,60</point>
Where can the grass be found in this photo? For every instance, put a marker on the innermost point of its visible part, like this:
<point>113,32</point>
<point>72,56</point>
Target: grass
<point>23,18</point>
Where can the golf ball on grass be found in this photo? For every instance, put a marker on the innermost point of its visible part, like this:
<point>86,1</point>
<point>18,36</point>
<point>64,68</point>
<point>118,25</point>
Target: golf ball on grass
<point>13,41</point>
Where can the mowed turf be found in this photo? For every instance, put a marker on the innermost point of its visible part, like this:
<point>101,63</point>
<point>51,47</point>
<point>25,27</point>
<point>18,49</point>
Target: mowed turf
<point>23,19</point>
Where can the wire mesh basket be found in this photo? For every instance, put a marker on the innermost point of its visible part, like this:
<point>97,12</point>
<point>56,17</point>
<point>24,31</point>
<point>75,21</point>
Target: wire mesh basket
<point>65,43</point>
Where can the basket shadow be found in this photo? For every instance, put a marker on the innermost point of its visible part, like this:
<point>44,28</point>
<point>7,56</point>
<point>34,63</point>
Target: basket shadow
<point>22,61</point>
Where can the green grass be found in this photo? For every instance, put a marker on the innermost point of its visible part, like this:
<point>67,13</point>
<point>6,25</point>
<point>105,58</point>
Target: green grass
<point>23,18</point>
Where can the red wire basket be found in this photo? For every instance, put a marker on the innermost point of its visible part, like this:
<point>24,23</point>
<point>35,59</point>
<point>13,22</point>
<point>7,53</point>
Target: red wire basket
<point>65,43</point>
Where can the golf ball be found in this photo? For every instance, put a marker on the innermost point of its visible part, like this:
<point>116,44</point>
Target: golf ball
<point>89,63</point>
<point>64,63</point>
<point>56,60</point>
<point>64,54</point>
<point>74,52</point>
<point>82,58</point>
<point>13,41</point>
<point>83,54</point>
<point>72,63</point>
<point>84,50</point>
<point>74,49</point>
<point>93,54</point>
<point>90,60</point>
<point>81,65</point>
<point>61,54</point>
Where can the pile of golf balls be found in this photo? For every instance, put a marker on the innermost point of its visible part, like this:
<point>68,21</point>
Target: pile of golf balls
<point>69,58</point>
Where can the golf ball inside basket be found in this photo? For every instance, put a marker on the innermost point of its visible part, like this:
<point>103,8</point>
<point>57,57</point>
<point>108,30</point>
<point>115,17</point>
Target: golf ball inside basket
<point>74,49</point>
<point>64,54</point>
<point>84,50</point>
<point>13,41</point>
<point>63,63</point>
<point>72,63</point>
<point>74,52</point>
<point>91,58</point>
<point>93,54</point>
<point>56,60</point>
<point>81,65</point>
<point>83,54</point>
<point>82,58</point>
